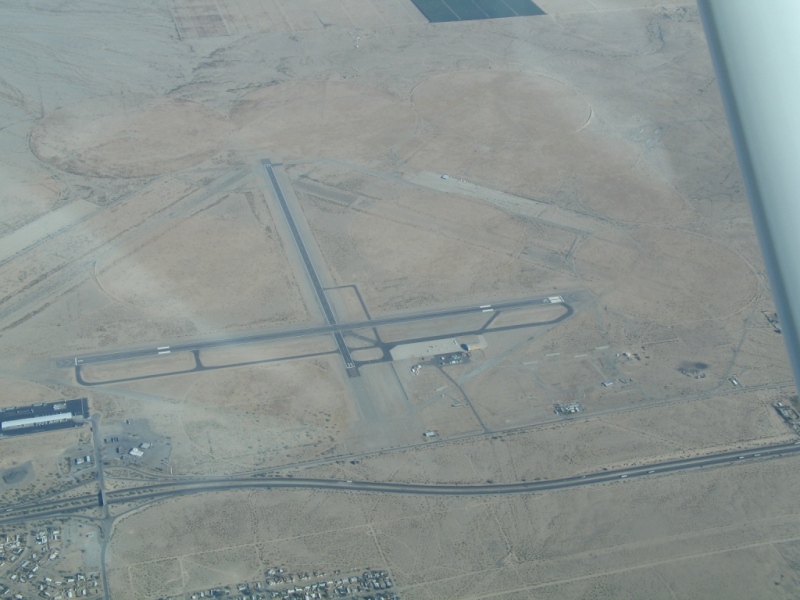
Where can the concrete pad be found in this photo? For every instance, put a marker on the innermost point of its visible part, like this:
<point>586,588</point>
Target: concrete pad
<point>426,349</point>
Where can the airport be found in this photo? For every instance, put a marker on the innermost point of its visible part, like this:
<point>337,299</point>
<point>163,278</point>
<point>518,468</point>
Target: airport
<point>389,299</point>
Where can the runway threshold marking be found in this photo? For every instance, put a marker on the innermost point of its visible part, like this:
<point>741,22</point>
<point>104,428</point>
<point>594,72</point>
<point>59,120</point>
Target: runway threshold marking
<point>163,348</point>
<point>488,310</point>
<point>164,351</point>
<point>485,306</point>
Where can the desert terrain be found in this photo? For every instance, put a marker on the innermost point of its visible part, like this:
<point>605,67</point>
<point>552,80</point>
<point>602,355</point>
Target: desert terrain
<point>288,250</point>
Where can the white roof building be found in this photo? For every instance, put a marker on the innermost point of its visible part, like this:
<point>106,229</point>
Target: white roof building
<point>43,420</point>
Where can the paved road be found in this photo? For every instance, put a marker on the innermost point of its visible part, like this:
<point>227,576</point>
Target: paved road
<point>169,489</point>
<point>107,519</point>
<point>330,318</point>
<point>306,331</point>
<point>98,458</point>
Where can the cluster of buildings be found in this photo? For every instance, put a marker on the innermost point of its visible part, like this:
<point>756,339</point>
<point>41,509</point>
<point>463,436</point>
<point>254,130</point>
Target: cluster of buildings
<point>696,373</point>
<point>370,585</point>
<point>566,409</point>
<point>282,585</point>
<point>27,564</point>
<point>129,448</point>
<point>455,358</point>
<point>790,415</point>
<point>139,452</point>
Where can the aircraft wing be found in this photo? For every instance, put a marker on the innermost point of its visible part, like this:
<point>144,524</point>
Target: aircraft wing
<point>755,48</point>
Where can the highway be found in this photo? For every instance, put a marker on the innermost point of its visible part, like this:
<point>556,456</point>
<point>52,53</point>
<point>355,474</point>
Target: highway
<point>305,331</point>
<point>98,459</point>
<point>176,488</point>
<point>171,488</point>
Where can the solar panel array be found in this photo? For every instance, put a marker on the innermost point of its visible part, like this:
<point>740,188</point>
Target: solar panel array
<point>442,11</point>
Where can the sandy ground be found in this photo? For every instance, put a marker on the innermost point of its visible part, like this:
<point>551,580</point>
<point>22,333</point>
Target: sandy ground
<point>98,137</point>
<point>215,357</point>
<point>43,457</point>
<point>240,419</point>
<point>26,195</point>
<point>667,272</point>
<point>215,255</point>
<point>417,249</point>
<point>152,269</point>
<point>586,151</point>
<point>14,389</point>
<point>566,448</point>
<point>651,532</point>
<point>317,120</point>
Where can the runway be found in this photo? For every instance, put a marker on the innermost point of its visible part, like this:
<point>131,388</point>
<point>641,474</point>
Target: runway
<point>306,331</point>
<point>330,318</point>
<point>331,327</point>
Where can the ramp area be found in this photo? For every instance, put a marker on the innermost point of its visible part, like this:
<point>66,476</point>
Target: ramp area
<point>426,349</point>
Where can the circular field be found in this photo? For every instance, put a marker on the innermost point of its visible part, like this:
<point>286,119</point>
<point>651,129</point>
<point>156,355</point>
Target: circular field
<point>128,136</point>
<point>665,276</point>
<point>322,119</point>
<point>495,107</point>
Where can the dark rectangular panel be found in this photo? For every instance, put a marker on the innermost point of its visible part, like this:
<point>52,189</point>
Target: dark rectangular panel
<point>495,9</point>
<point>523,8</point>
<point>466,10</point>
<point>444,11</point>
<point>435,11</point>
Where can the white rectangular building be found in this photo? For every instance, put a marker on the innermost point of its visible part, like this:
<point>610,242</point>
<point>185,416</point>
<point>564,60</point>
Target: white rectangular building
<point>32,421</point>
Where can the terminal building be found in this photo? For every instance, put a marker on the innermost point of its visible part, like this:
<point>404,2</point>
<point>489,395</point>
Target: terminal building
<point>19,420</point>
